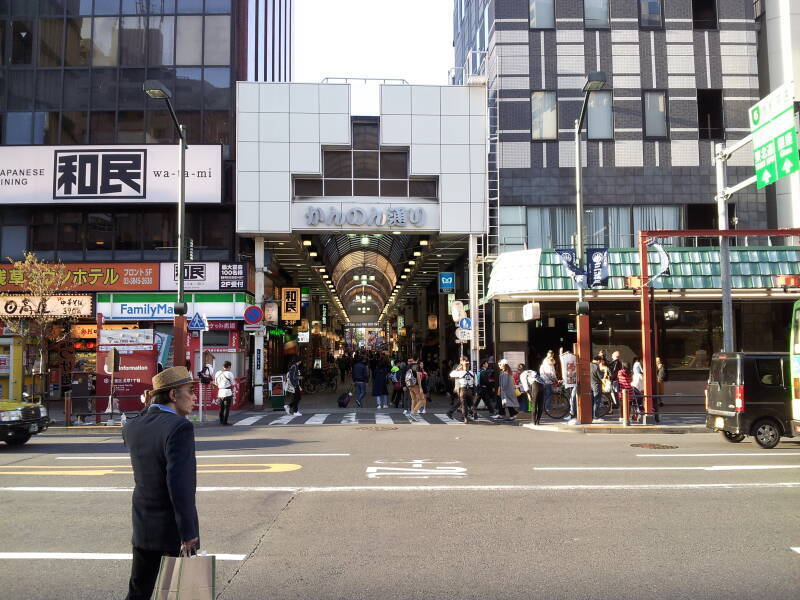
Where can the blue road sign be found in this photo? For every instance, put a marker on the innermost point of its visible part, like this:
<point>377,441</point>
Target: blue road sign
<point>465,323</point>
<point>197,323</point>
<point>447,283</point>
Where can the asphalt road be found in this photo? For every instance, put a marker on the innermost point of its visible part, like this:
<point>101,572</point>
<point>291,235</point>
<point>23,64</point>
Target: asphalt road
<point>443,511</point>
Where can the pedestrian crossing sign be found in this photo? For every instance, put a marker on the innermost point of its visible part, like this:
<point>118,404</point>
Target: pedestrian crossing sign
<point>197,323</point>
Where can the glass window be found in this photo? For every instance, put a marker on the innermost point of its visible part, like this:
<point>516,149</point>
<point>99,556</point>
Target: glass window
<point>160,7</point>
<point>564,225</point>
<point>544,116</point>
<point>189,47</point>
<point>21,43</point>
<point>137,7</point>
<point>218,6</point>
<point>650,14</point>
<point>422,188</point>
<point>51,7</point>
<point>127,235</point>
<point>308,187</point>
<point>190,6</point>
<point>217,41</point>
<point>512,237</point>
<point>600,116</point>
<point>130,88</point>
<point>365,165</point>
<point>217,229</point>
<point>398,189</point>
<point>106,7</point>
<point>161,41</point>
<point>542,14</point>
<point>217,128</point>
<point>48,89</point>
<point>539,227</point>
<point>130,126</point>
<point>656,217</point>
<point>73,127</point>
<point>45,128</point>
<point>365,136</point>
<point>79,7</point>
<point>2,90</point>
<point>710,115</point>
<point>18,128</point>
<point>43,230</point>
<point>158,230</point>
<point>99,234</point>
<point>619,227</point>
<point>3,57</point>
<point>337,164</point>
<point>79,37</point>
<point>105,42</point>
<point>188,88</point>
<point>394,165</point>
<point>20,89</point>
<point>365,187</point>
<point>595,14</point>
<point>51,42</point>
<point>14,241</point>
<point>770,372</point>
<point>104,88</point>
<point>217,88</point>
<point>132,37</point>
<point>595,225</point>
<point>101,127</point>
<point>76,89</point>
<point>70,235</point>
<point>190,119</point>
<point>160,128</point>
<point>704,14</point>
<point>338,187</point>
<point>512,215</point>
<point>655,114</point>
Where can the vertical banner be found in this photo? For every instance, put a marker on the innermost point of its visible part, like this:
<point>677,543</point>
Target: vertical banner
<point>291,304</point>
<point>568,261</point>
<point>323,314</point>
<point>597,267</point>
<point>663,267</point>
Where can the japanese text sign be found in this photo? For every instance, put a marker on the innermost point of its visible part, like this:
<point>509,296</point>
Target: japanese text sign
<point>57,306</point>
<point>291,304</point>
<point>774,136</point>
<point>90,277</point>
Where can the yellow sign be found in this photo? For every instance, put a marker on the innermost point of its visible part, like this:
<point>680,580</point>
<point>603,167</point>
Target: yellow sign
<point>126,469</point>
<point>291,303</point>
<point>89,331</point>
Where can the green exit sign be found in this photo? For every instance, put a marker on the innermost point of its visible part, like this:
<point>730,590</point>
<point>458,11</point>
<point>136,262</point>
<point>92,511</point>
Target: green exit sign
<point>774,136</point>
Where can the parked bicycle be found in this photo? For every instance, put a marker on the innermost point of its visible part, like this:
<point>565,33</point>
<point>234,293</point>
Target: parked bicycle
<point>559,403</point>
<point>320,381</point>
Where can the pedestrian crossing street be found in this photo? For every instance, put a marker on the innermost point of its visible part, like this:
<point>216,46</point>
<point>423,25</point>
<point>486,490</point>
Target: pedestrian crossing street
<point>355,418</point>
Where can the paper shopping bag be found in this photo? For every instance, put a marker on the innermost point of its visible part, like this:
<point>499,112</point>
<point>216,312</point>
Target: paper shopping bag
<point>186,578</point>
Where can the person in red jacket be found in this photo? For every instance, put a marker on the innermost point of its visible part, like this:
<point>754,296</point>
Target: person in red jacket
<point>624,377</point>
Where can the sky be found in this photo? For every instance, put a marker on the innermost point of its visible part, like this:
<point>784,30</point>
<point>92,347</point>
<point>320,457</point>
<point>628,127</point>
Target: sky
<point>406,39</point>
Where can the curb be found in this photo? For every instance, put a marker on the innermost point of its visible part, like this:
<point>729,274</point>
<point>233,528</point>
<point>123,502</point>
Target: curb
<point>614,429</point>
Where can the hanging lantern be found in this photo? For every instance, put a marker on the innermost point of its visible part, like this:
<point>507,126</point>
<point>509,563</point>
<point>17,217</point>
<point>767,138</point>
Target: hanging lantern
<point>433,322</point>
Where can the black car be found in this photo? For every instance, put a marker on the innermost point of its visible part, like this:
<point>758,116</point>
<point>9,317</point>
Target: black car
<point>20,420</point>
<point>748,393</point>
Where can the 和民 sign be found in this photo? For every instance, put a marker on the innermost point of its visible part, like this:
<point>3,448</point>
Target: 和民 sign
<point>290,298</point>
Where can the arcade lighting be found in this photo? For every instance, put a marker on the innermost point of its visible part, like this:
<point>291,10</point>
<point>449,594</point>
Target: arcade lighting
<point>306,241</point>
<point>423,241</point>
<point>313,254</point>
<point>417,253</point>
<point>365,240</point>
<point>412,262</point>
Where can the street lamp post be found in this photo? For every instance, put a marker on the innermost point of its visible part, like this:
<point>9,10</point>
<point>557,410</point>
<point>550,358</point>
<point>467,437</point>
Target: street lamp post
<point>158,91</point>
<point>594,81</point>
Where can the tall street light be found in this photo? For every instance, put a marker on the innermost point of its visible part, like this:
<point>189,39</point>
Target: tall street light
<point>594,81</point>
<point>158,91</point>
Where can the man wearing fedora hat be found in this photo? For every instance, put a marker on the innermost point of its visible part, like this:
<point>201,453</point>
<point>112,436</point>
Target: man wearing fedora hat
<point>161,444</point>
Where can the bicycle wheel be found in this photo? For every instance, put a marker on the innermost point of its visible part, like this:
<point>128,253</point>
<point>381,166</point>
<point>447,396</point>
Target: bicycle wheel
<point>559,406</point>
<point>330,386</point>
<point>604,406</point>
<point>309,387</point>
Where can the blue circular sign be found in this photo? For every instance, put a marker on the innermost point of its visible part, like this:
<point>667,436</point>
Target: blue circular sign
<point>465,323</point>
<point>253,315</point>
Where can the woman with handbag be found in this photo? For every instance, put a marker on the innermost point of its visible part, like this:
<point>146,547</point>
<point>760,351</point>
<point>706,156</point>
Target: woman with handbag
<point>508,396</point>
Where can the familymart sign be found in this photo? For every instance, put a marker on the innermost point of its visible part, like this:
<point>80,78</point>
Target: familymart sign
<point>774,136</point>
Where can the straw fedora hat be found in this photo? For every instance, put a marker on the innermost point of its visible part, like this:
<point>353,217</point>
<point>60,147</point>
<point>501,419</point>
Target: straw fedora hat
<point>171,378</point>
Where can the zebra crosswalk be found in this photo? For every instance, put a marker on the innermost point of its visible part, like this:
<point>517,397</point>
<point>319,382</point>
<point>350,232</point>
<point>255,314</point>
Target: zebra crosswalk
<point>352,418</point>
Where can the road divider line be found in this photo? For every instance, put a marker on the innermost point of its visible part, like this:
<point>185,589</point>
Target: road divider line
<point>349,419</point>
<point>249,421</point>
<point>433,488</point>
<point>317,419</point>
<point>127,457</point>
<point>761,454</point>
<point>711,468</point>
<point>283,420</point>
<point>383,419</point>
<point>91,556</point>
<point>447,420</point>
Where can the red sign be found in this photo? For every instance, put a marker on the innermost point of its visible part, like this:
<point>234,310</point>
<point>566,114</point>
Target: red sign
<point>137,366</point>
<point>223,325</point>
<point>92,277</point>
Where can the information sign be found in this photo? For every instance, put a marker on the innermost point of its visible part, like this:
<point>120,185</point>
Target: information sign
<point>774,136</point>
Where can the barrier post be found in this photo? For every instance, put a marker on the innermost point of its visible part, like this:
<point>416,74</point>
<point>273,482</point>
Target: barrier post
<point>626,408</point>
<point>67,409</point>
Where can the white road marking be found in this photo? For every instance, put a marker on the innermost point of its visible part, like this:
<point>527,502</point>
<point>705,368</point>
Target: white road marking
<point>282,420</point>
<point>126,456</point>
<point>249,421</point>
<point>349,419</point>
<point>412,473</point>
<point>762,454</point>
<point>796,549</point>
<point>445,419</point>
<point>383,419</point>
<point>435,488</point>
<point>91,556</point>
<point>417,420</point>
<point>711,468</point>
<point>317,419</point>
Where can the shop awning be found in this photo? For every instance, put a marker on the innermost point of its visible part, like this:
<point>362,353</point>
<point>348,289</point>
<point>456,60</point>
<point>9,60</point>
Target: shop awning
<point>514,274</point>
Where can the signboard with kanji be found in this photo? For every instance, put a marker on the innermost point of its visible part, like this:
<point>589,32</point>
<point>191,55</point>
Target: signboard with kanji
<point>92,277</point>
<point>20,305</point>
<point>291,304</point>
<point>774,136</point>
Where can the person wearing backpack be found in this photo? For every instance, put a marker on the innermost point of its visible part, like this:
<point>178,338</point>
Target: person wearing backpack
<point>464,383</point>
<point>294,380</point>
<point>412,384</point>
<point>224,381</point>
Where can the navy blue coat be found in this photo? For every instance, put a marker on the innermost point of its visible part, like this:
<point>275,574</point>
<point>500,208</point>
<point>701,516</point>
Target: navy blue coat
<point>165,473</point>
<point>379,387</point>
<point>360,372</point>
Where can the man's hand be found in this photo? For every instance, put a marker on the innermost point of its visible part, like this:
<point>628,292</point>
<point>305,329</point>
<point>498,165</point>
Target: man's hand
<point>189,546</point>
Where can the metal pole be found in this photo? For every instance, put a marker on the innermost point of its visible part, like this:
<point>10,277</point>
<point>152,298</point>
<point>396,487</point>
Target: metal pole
<point>724,255</point>
<point>181,208</point>
<point>258,339</point>
<point>473,300</point>
<point>202,368</point>
<point>578,204</point>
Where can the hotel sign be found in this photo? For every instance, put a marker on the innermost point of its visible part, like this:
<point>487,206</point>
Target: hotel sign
<point>110,174</point>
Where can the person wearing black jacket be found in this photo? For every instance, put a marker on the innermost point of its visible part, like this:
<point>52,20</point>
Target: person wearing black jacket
<point>164,513</point>
<point>360,380</point>
<point>614,367</point>
<point>486,388</point>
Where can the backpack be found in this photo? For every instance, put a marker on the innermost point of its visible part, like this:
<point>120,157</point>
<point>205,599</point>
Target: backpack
<point>288,386</point>
<point>411,378</point>
<point>204,377</point>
